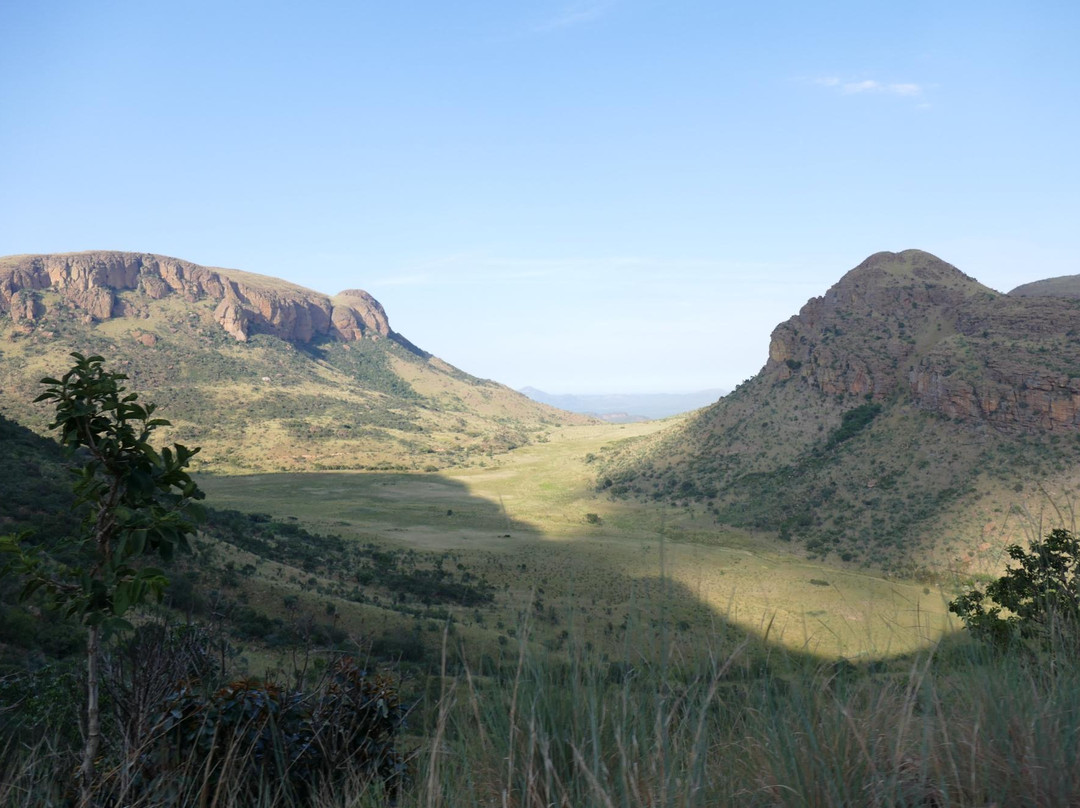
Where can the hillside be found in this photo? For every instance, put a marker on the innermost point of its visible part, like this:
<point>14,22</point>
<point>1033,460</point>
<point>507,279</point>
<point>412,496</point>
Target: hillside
<point>263,374</point>
<point>909,417</point>
<point>1063,286</point>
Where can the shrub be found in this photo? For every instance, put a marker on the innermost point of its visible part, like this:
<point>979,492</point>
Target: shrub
<point>852,423</point>
<point>139,503</point>
<point>252,736</point>
<point>1038,601</point>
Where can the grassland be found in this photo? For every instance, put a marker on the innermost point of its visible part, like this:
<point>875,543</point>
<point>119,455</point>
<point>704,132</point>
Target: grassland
<point>531,523</point>
<point>594,651</point>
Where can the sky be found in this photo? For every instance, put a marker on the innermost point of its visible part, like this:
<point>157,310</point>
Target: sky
<point>594,196</point>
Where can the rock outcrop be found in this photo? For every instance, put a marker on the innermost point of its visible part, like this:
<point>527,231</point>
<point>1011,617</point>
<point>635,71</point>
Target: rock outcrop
<point>89,283</point>
<point>896,415</point>
<point>357,314</point>
<point>911,324</point>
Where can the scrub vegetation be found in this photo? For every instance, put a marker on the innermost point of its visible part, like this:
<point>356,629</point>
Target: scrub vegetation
<point>478,639</point>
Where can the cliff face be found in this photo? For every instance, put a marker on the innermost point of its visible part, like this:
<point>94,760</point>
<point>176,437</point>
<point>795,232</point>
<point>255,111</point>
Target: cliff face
<point>913,325</point>
<point>89,282</point>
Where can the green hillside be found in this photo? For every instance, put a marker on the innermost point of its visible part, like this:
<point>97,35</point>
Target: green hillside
<point>291,390</point>
<point>910,418</point>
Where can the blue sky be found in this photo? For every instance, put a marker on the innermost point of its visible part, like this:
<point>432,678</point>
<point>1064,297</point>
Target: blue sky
<point>594,196</point>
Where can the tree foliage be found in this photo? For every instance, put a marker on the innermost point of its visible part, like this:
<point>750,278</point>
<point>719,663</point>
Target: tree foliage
<point>1037,601</point>
<point>136,501</point>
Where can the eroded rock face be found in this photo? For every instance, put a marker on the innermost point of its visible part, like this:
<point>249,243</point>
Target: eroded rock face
<point>357,314</point>
<point>913,325</point>
<point>231,315</point>
<point>1012,399</point>
<point>25,306</point>
<point>89,282</point>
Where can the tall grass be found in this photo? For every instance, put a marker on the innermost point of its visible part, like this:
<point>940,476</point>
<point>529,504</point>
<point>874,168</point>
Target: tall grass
<point>970,730</point>
<point>958,726</point>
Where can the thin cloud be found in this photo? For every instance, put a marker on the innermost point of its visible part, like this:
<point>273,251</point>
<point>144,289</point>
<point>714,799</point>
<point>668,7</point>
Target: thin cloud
<point>576,14</point>
<point>663,275</point>
<point>907,89</point>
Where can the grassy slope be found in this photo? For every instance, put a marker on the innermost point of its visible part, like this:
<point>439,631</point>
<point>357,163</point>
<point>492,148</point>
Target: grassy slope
<point>269,405</point>
<point>1062,286</point>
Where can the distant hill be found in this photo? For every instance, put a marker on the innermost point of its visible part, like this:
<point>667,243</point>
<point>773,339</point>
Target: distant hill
<point>623,408</point>
<point>1063,286</point>
<point>265,375</point>
<point>909,415</point>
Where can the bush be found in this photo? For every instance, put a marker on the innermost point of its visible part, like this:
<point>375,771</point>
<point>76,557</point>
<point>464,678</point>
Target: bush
<point>1039,601</point>
<point>852,423</point>
<point>252,736</point>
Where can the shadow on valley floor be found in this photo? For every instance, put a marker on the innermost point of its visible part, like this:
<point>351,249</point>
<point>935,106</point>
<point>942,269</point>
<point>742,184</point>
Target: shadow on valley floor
<point>618,594</point>
<point>424,508</point>
<point>670,620</point>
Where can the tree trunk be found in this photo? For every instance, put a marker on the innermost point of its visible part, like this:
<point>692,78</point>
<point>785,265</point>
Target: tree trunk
<point>93,721</point>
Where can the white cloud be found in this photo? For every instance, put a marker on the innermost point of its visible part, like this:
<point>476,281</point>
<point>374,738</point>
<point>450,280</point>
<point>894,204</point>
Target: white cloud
<point>576,14</point>
<point>860,87</point>
<point>908,89</point>
<point>905,89</point>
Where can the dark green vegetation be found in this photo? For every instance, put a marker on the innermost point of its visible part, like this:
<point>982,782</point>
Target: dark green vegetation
<point>35,501</point>
<point>911,418</point>
<point>178,730</point>
<point>137,503</point>
<point>1037,601</point>
<point>265,582</point>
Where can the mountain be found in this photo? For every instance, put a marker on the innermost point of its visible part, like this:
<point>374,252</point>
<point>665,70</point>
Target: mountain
<point>910,416</point>
<point>627,407</point>
<point>98,286</point>
<point>1063,286</point>
<point>265,375</point>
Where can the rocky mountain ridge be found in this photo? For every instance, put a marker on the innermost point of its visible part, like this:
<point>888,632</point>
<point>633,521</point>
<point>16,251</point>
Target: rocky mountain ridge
<point>264,375</point>
<point>897,325</point>
<point>92,283</point>
<point>1061,286</point>
<point>902,413</point>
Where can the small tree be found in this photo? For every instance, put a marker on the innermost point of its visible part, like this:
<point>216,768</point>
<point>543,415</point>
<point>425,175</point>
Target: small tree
<point>1038,601</point>
<point>138,501</point>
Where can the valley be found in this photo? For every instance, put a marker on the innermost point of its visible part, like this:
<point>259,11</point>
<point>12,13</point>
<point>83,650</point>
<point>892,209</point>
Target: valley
<point>554,595</point>
<point>561,404</point>
<point>531,521</point>
<point>908,426</point>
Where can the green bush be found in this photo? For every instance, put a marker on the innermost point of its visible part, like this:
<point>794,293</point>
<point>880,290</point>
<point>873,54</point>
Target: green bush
<point>1038,601</point>
<point>853,422</point>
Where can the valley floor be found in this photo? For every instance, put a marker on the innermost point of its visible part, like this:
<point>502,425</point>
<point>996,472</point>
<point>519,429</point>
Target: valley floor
<point>531,522</point>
